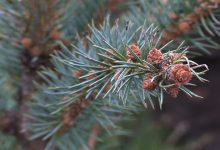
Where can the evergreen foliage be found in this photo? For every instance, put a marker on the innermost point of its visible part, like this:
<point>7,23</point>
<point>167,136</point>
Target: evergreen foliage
<point>101,82</point>
<point>193,21</point>
<point>86,84</point>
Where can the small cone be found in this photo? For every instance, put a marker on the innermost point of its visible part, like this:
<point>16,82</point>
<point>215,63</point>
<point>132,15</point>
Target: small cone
<point>77,74</point>
<point>55,35</point>
<point>35,51</point>
<point>180,74</point>
<point>136,50</point>
<point>148,84</point>
<point>184,26</point>
<point>155,56</point>
<point>26,42</point>
<point>173,91</point>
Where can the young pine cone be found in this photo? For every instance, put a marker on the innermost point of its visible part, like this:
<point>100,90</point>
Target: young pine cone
<point>175,56</point>
<point>76,73</point>
<point>172,15</point>
<point>134,49</point>
<point>180,74</point>
<point>148,84</point>
<point>183,27</point>
<point>55,35</point>
<point>173,91</point>
<point>26,42</point>
<point>155,56</point>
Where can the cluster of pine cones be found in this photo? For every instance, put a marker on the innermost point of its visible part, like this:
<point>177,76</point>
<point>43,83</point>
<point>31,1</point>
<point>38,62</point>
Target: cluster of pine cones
<point>169,70</point>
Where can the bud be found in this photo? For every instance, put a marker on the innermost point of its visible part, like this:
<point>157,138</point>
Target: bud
<point>175,56</point>
<point>180,74</point>
<point>173,91</point>
<point>172,15</point>
<point>184,26</point>
<point>55,35</point>
<point>135,49</point>
<point>148,84</point>
<point>66,42</point>
<point>155,56</point>
<point>76,73</point>
<point>26,42</point>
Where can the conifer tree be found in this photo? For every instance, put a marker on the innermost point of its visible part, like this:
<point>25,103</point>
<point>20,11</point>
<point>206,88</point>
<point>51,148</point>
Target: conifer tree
<point>64,88</point>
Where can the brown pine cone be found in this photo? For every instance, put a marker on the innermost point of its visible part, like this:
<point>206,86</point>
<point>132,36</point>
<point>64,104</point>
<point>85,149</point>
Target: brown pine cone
<point>55,35</point>
<point>180,74</point>
<point>136,50</point>
<point>184,27</point>
<point>76,73</point>
<point>155,56</point>
<point>148,84</point>
<point>26,42</point>
<point>175,56</point>
<point>173,91</point>
<point>172,15</point>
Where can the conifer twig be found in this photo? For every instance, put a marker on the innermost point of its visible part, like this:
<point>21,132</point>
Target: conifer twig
<point>187,22</point>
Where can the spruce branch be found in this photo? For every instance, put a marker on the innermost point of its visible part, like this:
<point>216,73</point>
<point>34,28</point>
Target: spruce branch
<point>106,81</point>
<point>195,22</point>
<point>29,32</point>
<point>185,24</point>
<point>120,63</point>
<point>100,82</point>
